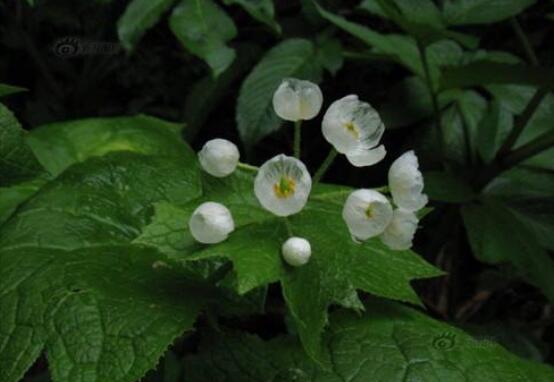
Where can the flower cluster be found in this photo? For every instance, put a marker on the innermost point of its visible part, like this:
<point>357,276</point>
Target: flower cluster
<point>283,183</point>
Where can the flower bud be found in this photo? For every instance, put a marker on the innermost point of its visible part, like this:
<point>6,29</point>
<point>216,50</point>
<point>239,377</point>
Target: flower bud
<point>219,157</point>
<point>296,100</point>
<point>211,223</point>
<point>296,251</point>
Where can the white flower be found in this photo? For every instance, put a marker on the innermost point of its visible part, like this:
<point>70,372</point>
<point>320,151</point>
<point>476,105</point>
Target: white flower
<point>366,213</point>
<point>354,128</point>
<point>283,185</point>
<point>406,183</point>
<point>211,223</point>
<point>219,157</point>
<point>296,251</point>
<point>399,234</point>
<point>296,100</point>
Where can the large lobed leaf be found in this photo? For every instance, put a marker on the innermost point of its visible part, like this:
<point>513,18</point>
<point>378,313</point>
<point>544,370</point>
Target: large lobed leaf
<point>497,235</point>
<point>17,162</point>
<point>71,283</point>
<point>338,266</point>
<point>390,343</point>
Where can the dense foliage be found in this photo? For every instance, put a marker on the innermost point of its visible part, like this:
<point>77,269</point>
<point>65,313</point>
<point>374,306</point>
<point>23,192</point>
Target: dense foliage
<point>104,104</point>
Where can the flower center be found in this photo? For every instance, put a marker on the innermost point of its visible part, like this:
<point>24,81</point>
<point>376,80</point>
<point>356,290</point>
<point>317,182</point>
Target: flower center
<point>285,187</point>
<point>369,211</point>
<point>352,129</point>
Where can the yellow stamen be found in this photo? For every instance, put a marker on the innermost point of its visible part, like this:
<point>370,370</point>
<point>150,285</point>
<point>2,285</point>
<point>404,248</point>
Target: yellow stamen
<point>284,188</point>
<point>369,212</point>
<point>352,129</point>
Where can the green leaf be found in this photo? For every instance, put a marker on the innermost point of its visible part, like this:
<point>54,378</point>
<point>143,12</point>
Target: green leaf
<point>261,10</point>
<point>59,145</point>
<point>329,53</point>
<point>73,285</point>
<point>204,29</point>
<point>447,187</point>
<point>11,197</point>
<point>255,116</point>
<point>529,193</point>
<point>101,313</point>
<point>417,11</point>
<point>540,123</point>
<point>497,236</point>
<point>462,12</point>
<point>460,124</point>
<point>6,89</point>
<point>17,162</point>
<point>139,16</point>
<point>493,130</point>
<point>401,48</point>
<point>422,19</point>
<point>389,343</point>
<point>484,72</point>
<point>338,266</point>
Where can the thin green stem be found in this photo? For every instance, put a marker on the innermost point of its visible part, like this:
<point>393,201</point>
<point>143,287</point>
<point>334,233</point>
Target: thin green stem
<point>524,41</point>
<point>325,166</point>
<point>522,121</point>
<point>288,225</point>
<point>539,144</point>
<point>434,98</point>
<point>247,167</point>
<point>515,157</point>
<point>297,138</point>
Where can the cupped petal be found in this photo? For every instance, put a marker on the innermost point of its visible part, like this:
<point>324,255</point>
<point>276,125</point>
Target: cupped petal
<point>406,183</point>
<point>219,157</point>
<point>337,125</point>
<point>211,223</point>
<point>353,126</point>
<point>399,234</point>
<point>283,185</point>
<point>362,157</point>
<point>366,213</point>
<point>296,100</point>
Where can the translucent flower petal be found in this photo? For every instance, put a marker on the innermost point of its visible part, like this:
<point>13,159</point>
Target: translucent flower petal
<point>399,234</point>
<point>296,100</point>
<point>296,251</point>
<point>364,157</point>
<point>283,185</point>
<point>219,157</point>
<point>352,127</point>
<point>406,183</point>
<point>366,213</point>
<point>211,223</point>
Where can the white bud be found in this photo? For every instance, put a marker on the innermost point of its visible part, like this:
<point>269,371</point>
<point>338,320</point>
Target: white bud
<point>296,100</point>
<point>211,223</point>
<point>354,128</point>
<point>219,157</point>
<point>406,183</point>
<point>296,251</point>
<point>366,213</point>
<point>399,234</point>
<point>283,185</point>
